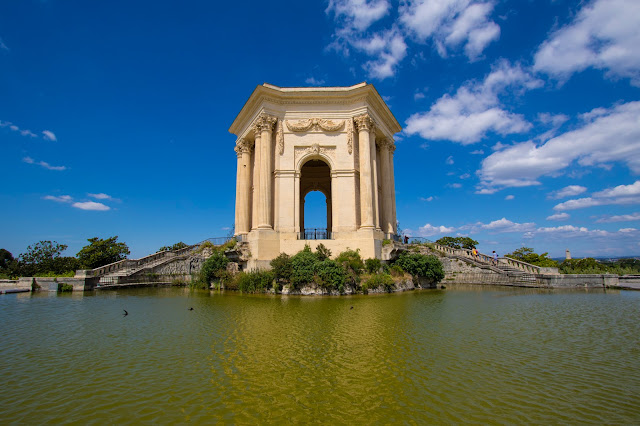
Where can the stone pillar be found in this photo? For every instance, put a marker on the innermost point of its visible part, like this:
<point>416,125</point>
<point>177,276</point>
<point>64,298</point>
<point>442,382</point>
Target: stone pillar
<point>387,209</point>
<point>364,124</point>
<point>392,179</point>
<point>255,181</point>
<point>264,125</point>
<point>243,187</point>
<point>374,176</point>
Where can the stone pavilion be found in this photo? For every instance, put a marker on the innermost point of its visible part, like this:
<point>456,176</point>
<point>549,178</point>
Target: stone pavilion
<point>294,140</point>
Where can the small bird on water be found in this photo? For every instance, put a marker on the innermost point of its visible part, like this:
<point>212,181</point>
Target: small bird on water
<point>125,313</point>
<point>191,309</point>
<point>351,307</point>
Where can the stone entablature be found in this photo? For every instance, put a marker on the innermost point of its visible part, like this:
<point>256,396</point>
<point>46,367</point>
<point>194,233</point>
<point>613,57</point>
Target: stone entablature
<point>338,140</point>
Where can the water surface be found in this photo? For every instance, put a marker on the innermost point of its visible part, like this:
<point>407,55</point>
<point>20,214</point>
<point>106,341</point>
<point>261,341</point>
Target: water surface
<point>468,353</point>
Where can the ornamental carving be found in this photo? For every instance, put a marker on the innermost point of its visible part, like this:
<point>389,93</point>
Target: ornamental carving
<point>315,149</point>
<point>314,124</point>
<point>243,146</point>
<point>280,138</point>
<point>385,143</point>
<point>350,136</point>
<point>364,122</point>
<point>264,122</point>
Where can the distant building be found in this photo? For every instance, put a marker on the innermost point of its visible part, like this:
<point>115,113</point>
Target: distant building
<point>567,255</point>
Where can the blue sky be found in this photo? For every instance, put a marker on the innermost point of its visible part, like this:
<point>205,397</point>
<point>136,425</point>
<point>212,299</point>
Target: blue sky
<point>521,119</point>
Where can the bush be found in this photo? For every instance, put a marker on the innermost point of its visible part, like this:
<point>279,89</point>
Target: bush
<point>421,266</point>
<point>379,280</point>
<point>330,275</point>
<point>322,252</point>
<point>396,271</point>
<point>214,268</point>
<point>372,265</point>
<point>386,242</point>
<point>303,267</point>
<point>352,264</point>
<point>253,281</point>
<point>64,287</point>
<point>281,267</point>
<point>101,252</point>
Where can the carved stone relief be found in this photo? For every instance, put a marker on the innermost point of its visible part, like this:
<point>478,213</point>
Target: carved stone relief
<point>314,124</point>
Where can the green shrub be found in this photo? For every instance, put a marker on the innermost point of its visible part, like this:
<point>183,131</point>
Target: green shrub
<point>214,268</point>
<point>64,287</point>
<point>253,281</point>
<point>386,242</point>
<point>396,271</point>
<point>421,266</point>
<point>322,252</point>
<point>282,268</point>
<point>372,265</point>
<point>379,280</point>
<point>330,275</point>
<point>352,264</point>
<point>303,265</point>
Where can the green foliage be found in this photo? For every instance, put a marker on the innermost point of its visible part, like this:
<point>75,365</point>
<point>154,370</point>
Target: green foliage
<point>386,242</point>
<point>302,264</point>
<point>281,267</point>
<point>213,269</point>
<point>101,252</point>
<point>322,252</point>
<point>5,259</point>
<point>589,265</point>
<point>330,275</point>
<point>254,281</point>
<point>43,259</point>
<point>458,242</point>
<point>352,264</point>
<point>64,287</point>
<point>379,280</point>
<point>396,270</point>
<point>372,265</point>
<point>176,246</point>
<point>526,254</point>
<point>421,266</point>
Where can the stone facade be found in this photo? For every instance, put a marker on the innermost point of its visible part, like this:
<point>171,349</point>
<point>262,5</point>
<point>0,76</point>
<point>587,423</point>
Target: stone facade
<point>336,140</point>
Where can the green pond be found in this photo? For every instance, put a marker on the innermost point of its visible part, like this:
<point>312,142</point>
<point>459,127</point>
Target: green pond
<point>465,354</point>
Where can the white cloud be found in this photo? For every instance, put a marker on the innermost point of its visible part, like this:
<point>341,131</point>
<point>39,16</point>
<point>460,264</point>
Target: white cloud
<point>91,205</point>
<point>49,135</point>
<point>429,230</point>
<point>388,48</point>
<point>605,34</point>
<point>100,196</point>
<point>449,160</point>
<point>475,109</point>
<point>3,46</point>
<point>312,81</point>
<point>44,164</point>
<point>465,176</point>
<point>612,135</point>
<point>619,195</point>
<point>503,225</point>
<point>559,216</point>
<point>567,191</point>
<point>418,96</point>
<point>454,185</point>
<point>477,152</point>
<point>58,199</point>
<point>28,133</point>
<point>627,230</point>
<point>620,218</point>
<point>428,199</point>
<point>451,24</point>
<point>509,197</point>
<point>571,231</point>
<point>358,14</point>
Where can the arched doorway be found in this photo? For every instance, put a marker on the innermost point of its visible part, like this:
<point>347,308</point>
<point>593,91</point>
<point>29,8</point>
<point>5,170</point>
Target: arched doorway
<point>315,175</point>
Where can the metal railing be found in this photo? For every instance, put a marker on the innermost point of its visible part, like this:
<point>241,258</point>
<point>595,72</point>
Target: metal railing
<point>314,234</point>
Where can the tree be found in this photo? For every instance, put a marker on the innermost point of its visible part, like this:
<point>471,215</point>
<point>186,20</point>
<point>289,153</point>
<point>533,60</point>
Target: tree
<point>102,252</point>
<point>176,246</point>
<point>214,267</point>
<point>421,266</point>
<point>45,258</point>
<point>458,242</point>
<point>5,258</point>
<point>42,252</point>
<point>322,253</point>
<point>526,254</point>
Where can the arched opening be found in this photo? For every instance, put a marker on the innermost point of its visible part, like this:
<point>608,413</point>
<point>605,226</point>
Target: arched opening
<point>315,200</point>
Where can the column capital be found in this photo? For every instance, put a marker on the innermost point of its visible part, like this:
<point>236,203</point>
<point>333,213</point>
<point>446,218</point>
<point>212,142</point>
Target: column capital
<point>243,146</point>
<point>385,143</point>
<point>264,122</point>
<point>364,122</point>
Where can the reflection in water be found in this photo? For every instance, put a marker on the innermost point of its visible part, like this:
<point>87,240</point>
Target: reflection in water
<point>468,353</point>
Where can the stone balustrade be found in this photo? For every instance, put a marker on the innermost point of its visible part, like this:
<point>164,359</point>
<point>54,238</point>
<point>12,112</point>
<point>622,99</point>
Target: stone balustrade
<point>488,259</point>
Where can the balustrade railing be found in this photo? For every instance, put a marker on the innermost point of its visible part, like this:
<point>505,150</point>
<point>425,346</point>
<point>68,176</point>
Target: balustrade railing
<point>314,234</point>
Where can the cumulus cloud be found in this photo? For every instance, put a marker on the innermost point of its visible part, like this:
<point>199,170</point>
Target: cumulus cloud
<point>428,199</point>
<point>91,205</point>
<point>358,14</point>
<point>619,218</point>
<point>451,24</point>
<point>500,226</point>
<point>48,135</point>
<point>314,82</point>
<point>449,160</point>
<point>44,164</point>
<point>428,230</point>
<point>619,195</point>
<point>559,216</point>
<point>567,191</point>
<point>475,109</point>
<point>509,197</point>
<point>477,152</point>
<point>58,198</point>
<point>100,196</point>
<point>611,135</point>
<point>604,34</point>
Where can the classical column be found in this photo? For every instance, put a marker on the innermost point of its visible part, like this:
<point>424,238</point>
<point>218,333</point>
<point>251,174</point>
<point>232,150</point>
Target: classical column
<point>392,178</point>
<point>385,172</point>
<point>264,125</point>
<point>255,180</point>
<point>243,189</point>
<point>374,176</point>
<point>364,124</point>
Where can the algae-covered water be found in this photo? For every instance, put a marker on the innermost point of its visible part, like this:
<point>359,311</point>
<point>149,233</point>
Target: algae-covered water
<point>464,354</point>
